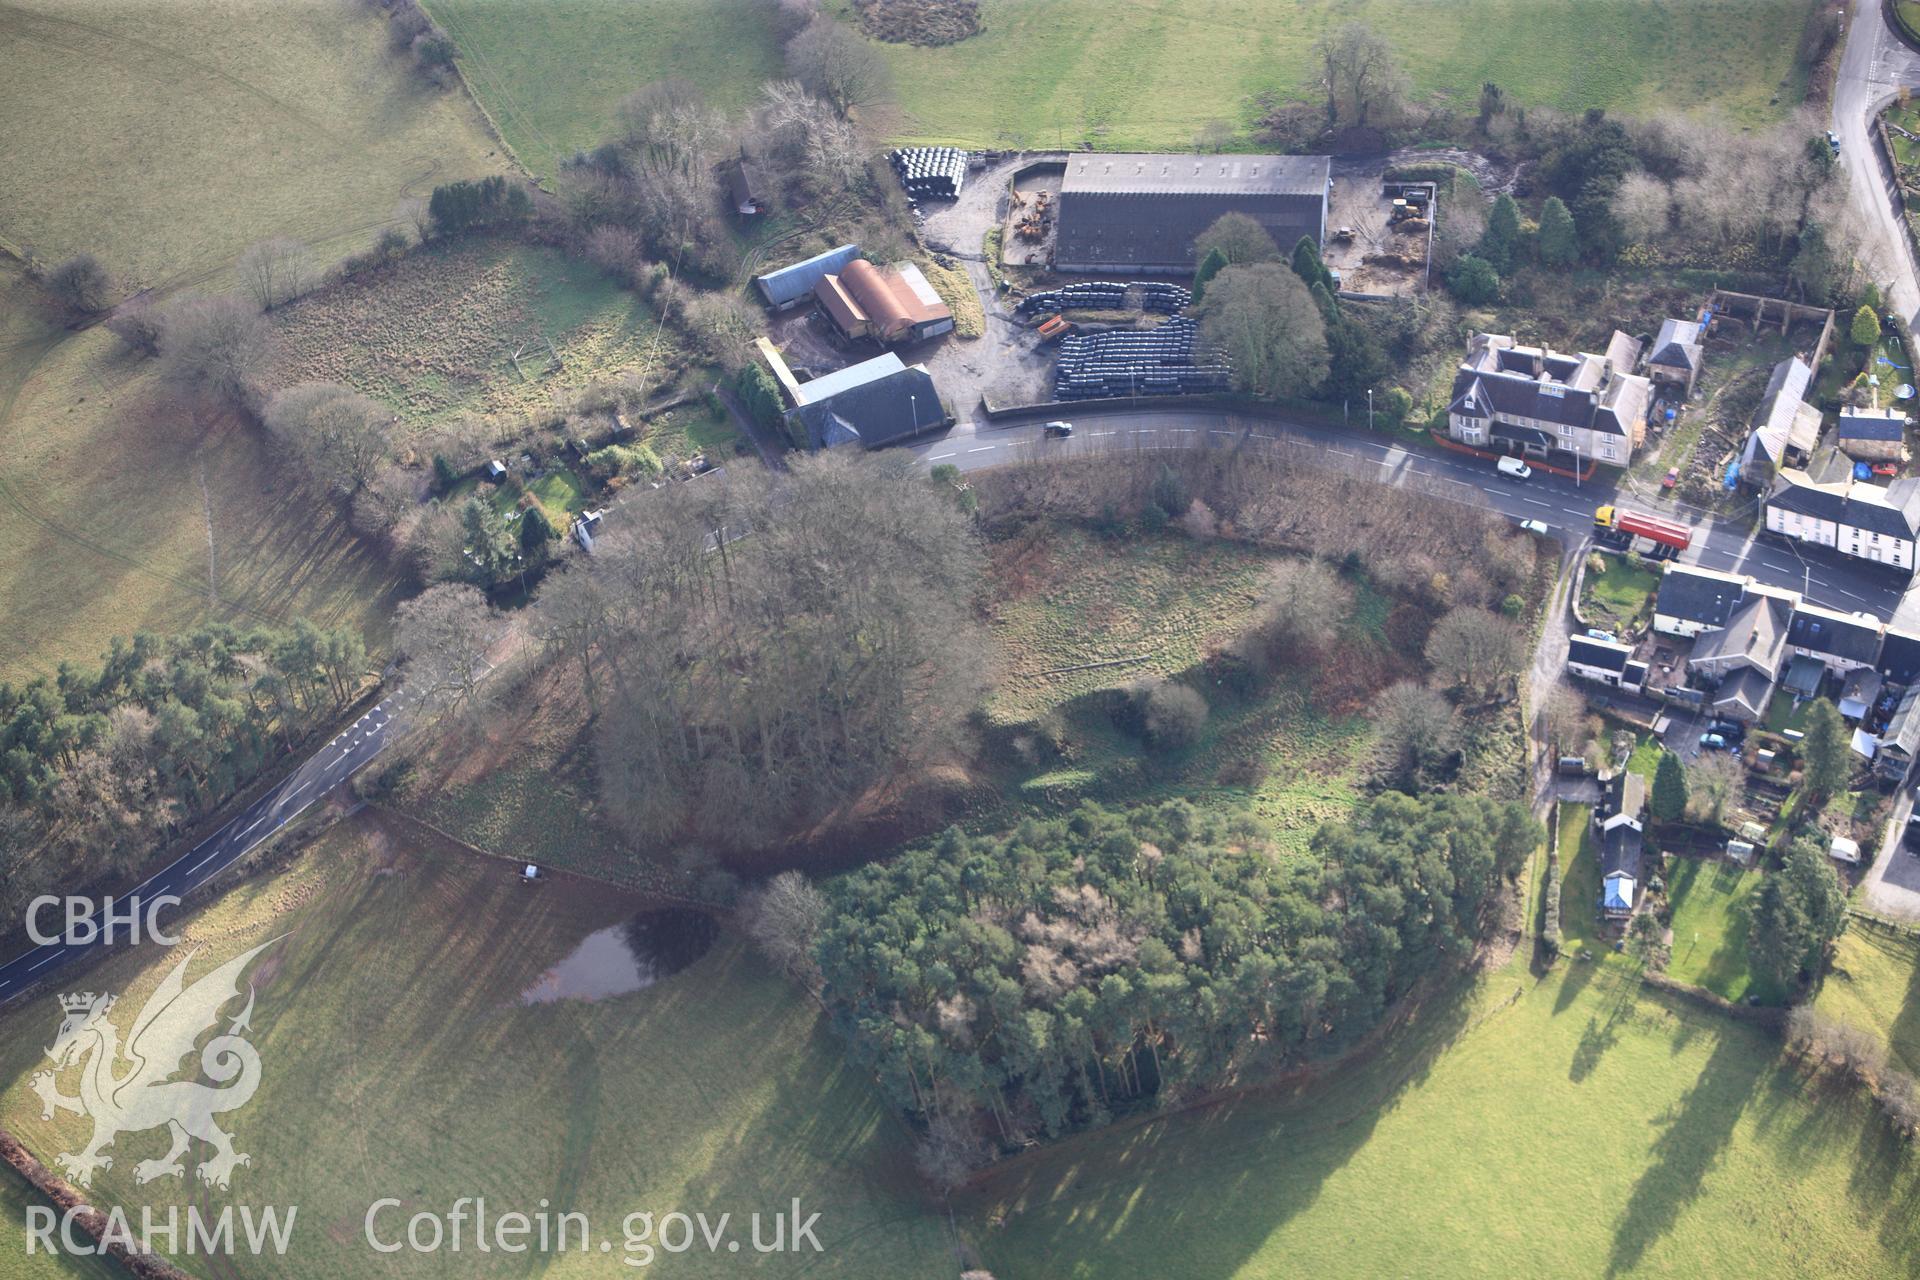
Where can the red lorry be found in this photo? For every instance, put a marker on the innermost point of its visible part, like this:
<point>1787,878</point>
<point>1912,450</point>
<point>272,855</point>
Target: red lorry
<point>1637,524</point>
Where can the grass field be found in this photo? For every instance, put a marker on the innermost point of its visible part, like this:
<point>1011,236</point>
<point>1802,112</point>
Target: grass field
<point>398,1061</point>
<point>1052,73</point>
<point>1066,598</point>
<point>1575,1125</point>
<point>552,76</point>
<point>123,509</point>
<point>166,138</point>
<point>1135,74</point>
<point>1711,906</point>
<point>437,333</point>
<point>1874,983</point>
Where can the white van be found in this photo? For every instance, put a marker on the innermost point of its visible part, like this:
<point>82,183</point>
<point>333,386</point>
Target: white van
<point>1514,467</point>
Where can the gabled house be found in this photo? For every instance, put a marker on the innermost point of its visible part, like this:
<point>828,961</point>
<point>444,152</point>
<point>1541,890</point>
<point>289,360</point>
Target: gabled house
<point>1785,428</point>
<point>1606,661</point>
<point>1618,821</point>
<point>793,286</point>
<point>1530,401</point>
<point>1841,642</point>
<point>1691,599</point>
<point>745,187</point>
<point>1894,761</point>
<point>1674,359</point>
<point>1754,639</point>
<point>1854,517</point>
<point>1743,696</point>
<point>1872,435</point>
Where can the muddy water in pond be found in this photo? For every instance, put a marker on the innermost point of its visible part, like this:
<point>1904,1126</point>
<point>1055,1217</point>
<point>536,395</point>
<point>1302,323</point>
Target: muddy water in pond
<point>626,957</point>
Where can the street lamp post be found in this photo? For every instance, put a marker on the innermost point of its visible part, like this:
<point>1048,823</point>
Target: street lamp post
<point>1369,408</point>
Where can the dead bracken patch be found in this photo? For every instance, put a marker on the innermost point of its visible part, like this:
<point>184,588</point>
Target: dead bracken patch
<point>927,22</point>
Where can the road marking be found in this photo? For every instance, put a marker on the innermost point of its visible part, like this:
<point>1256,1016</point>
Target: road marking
<point>1485,489</point>
<point>1536,502</point>
<point>1102,433</point>
<point>1220,431</point>
<point>985,448</point>
<point>1849,595</point>
<point>44,963</point>
<point>935,457</point>
<point>203,862</point>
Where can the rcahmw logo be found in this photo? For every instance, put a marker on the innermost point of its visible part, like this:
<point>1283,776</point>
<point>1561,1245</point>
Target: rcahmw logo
<point>142,1096</point>
<point>161,1232</point>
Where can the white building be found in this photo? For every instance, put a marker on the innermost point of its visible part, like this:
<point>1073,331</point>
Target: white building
<point>1851,516</point>
<point>1531,401</point>
<point>1606,662</point>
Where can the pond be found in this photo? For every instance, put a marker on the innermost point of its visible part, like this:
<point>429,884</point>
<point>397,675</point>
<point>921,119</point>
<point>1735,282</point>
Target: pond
<point>625,957</point>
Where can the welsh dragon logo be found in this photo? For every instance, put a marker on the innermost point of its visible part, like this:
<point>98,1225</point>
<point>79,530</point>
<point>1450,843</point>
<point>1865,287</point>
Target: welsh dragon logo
<point>142,1097</point>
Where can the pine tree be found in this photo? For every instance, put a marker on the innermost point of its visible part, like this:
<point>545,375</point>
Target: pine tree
<point>1559,240</point>
<point>1669,788</point>
<point>1824,762</point>
<point>1210,266</point>
<point>1502,236</point>
<point>1309,267</point>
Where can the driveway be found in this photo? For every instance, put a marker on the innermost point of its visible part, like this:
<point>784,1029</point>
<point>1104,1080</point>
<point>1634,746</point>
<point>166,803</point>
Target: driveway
<point>1892,887</point>
<point>1873,69</point>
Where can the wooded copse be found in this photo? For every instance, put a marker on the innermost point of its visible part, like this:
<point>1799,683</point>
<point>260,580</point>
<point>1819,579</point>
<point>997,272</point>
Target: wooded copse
<point>1046,980</point>
<point>98,767</point>
<point>760,652</point>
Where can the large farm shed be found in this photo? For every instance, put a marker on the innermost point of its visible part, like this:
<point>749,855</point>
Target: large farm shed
<point>1135,212</point>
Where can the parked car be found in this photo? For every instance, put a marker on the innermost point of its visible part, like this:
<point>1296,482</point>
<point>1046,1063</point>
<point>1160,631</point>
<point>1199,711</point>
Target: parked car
<point>1595,633</point>
<point>1886,468</point>
<point>1833,140</point>
<point>1514,468</point>
<point>1058,430</point>
<point>1533,526</point>
<point>1671,479</point>
<point>1731,730</point>
<point>1713,742</point>
<point>1911,837</point>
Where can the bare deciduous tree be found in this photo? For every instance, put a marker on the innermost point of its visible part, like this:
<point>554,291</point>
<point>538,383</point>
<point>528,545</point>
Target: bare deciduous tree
<point>1416,730</point>
<point>337,435</point>
<point>1714,780</point>
<point>217,346</point>
<point>1474,649</point>
<point>839,66</point>
<point>1362,78</point>
<point>445,632</point>
<point>274,271</point>
<point>80,285</point>
<point>138,324</point>
<point>1643,206</point>
<point>1303,606</point>
<point>1266,322</point>
<point>783,918</point>
<point>1240,239</point>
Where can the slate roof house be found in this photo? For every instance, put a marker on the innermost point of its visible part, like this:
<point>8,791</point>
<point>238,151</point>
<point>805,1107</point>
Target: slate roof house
<point>1673,362</point>
<point>1534,401</point>
<point>1606,661</point>
<point>1618,819</point>
<point>1128,212</point>
<point>1858,693</point>
<point>1856,518</point>
<point>1691,599</point>
<point>1841,642</point>
<point>744,187</point>
<point>889,408</point>
<point>1872,435</point>
<point>1785,427</point>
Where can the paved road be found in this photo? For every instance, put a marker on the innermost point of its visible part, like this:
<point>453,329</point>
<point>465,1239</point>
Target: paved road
<point>331,765</point>
<point>1872,69</point>
<point>1824,577</point>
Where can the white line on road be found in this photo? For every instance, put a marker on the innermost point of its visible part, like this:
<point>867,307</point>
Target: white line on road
<point>1102,433</point>
<point>44,963</point>
<point>1536,502</point>
<point>935,457</point>
<point>985,448</point>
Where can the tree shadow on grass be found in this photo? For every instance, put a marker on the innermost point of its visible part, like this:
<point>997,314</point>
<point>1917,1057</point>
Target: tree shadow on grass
<point>1600,1034</point>
<point>1702,1123</point>
<point>1126,1191</point>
